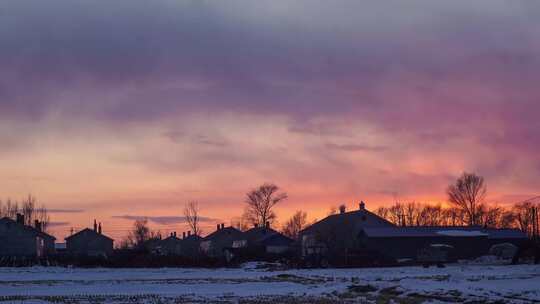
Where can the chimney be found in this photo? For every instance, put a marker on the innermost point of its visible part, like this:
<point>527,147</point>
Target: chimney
<point>256,225</point>
<point>222,225</point>
<point>342,208</point>
<point>362,205</point>
<point>37,225</point>
<point>172,234</point>
<point>175,234</point>
<point>95,225</point>
<point>99,228</point>
<point>184,235</point>
<point>189,233</point>
<point>267,224</point>
<point>218,226</point>
<point>20,218</point>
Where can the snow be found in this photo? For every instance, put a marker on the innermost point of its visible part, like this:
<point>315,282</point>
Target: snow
<point>461,233</point>
<point>516,284</point>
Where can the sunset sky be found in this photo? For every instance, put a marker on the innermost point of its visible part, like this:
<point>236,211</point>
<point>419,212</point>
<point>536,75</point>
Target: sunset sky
<point>129,108</point>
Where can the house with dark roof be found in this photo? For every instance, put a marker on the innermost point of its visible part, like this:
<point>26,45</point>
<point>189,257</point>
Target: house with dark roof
<point>90,242</point>
<point>170,245</point>
<point>347,236</point>
<point>20,240</point>
<point>264,238</point>
<point>187,246</point>
<point>259,242</point>
<point>214,244</point>
<point>335,236</point>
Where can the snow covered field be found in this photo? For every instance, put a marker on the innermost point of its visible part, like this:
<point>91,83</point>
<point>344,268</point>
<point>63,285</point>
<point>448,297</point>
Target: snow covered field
<point>456,283</point>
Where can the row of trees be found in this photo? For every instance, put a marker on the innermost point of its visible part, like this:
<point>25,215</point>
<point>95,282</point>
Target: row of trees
<point>520,215</point>
<point>29,208</point>
<point>467,207</point>
<point>259,210</point>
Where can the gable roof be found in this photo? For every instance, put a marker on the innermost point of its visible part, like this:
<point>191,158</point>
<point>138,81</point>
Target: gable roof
<point>7,220</point>
<point>277,239</point>
<point>171,238</point>
<point>225,232</point>
<point>89,232</point>
<point>348,222</point>
<point>192,238</point>
<point>263,235</point>
<point>258,233</point>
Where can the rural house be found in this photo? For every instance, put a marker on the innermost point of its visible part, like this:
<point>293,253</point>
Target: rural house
<point>90,242</point>
<point>170,245</point>
<point>20,240</point>
<point>214,244</point>
<point>363,237</point>
<point>187,246</point>
<point>333,237</point>
<point>263,240</point>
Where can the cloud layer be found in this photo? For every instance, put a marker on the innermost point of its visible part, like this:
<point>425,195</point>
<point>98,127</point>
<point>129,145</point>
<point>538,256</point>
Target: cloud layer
<point>135,105</point>
<point>162,220</point>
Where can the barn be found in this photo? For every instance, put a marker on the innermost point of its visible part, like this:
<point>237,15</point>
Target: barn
<point>362,238</point>
<point>335,238</point>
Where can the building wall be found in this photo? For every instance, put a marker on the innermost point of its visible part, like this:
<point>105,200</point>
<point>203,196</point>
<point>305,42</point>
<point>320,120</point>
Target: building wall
<point>191,248</point>
<point>171,246</point>
<point>215,247</point>
<point>408,247</point>
<point>91,245</point>
<point>276,249</point>
<point>16,241</point>
<point>518,242</point>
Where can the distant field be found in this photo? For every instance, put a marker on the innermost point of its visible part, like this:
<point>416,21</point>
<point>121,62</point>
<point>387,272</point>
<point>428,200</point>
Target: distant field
<point>456,283</point>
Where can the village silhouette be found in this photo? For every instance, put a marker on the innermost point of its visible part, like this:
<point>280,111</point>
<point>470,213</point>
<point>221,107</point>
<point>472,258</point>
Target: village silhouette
<point>401,234</point>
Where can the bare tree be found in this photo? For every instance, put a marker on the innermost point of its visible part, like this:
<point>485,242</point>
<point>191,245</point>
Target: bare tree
<point>42,216</point>
<point>191,213</point>
<point>382,212</point>
<point>261,201</point>
<point>508,219</point>
<point>295,224</point>
<point>9,209</point>
<point>429,215</point>
<point>467,194</point>
<point>34,213</point>
<point>396,214</point>
<point>29,209</point>
<point>411,212</point>
<point>139,234</point>
<point>527,214</point>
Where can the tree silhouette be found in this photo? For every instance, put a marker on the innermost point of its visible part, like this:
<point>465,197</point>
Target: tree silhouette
<point>468,194</point>
<point>261,201</point>
<point>191,213</point>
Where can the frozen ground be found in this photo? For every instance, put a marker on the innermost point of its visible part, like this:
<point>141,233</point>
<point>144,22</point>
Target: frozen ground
<point>454,284</point>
